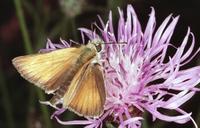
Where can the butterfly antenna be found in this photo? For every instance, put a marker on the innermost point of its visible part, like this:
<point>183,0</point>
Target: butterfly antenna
<point>116,43</point>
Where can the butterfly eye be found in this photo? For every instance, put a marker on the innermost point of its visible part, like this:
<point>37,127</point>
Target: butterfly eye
<point>98,47</point>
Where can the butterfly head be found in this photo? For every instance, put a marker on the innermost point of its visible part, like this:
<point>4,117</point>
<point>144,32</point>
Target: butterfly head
<point>98,44</point>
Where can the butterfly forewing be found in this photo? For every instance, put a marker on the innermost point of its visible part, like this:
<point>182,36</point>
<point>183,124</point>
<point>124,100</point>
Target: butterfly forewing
<point>88,95</point>
<point>47,70</point>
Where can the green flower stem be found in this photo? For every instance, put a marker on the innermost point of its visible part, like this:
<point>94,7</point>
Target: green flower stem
<point>44,109</point>
<point>6,101</point>
<point>144,122</point>
<point>26,42</point>
<point>74,28</point>
<point>28,48</point>
<point>20,15</point>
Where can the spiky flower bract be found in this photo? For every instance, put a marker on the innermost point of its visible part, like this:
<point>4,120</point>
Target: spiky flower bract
<point>139,76</point>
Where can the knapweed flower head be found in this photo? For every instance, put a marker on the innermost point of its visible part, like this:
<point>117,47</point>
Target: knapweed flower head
<point>139,75</point>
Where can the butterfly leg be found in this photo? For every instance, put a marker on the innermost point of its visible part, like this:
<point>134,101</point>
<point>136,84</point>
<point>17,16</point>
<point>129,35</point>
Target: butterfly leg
<point>49,103</point>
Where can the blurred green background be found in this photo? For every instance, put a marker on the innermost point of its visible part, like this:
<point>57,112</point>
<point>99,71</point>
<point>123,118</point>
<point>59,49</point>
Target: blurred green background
<point>25,26</point>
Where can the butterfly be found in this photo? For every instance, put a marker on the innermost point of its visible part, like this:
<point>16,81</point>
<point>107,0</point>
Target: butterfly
<point>74,75</point>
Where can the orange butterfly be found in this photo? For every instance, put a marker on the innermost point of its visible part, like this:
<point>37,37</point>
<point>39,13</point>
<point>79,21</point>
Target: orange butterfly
<point>71,74</point>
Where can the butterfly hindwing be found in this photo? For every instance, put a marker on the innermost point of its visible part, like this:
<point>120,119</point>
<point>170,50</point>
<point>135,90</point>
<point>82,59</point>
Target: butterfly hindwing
<point>86,93</point>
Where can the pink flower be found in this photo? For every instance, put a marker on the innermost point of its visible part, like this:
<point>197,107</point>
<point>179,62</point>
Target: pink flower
<point>139,75</point>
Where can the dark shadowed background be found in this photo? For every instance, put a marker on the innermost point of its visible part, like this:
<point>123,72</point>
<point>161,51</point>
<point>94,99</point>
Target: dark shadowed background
<point>19,100</point>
